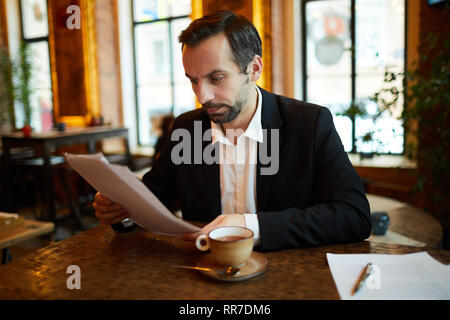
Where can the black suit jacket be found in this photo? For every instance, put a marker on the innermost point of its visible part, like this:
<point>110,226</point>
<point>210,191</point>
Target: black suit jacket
<point>316,197</point>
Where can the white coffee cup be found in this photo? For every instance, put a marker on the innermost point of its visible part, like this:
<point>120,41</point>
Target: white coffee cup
<point>230,246</point>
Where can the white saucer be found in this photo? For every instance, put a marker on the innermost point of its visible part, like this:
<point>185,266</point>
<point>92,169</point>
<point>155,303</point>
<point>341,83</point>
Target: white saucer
<point>254,266</point>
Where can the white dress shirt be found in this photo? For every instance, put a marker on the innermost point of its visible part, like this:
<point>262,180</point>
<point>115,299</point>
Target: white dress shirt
<point>238,169</point>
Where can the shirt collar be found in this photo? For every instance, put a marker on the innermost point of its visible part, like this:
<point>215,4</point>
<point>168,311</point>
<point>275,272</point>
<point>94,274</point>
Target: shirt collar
<point>253,131</point>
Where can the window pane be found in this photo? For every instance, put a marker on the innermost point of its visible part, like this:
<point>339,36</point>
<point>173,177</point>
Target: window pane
<point>379,44</point>
<point>344,128</point>
<point>42,100</point>
<point>41,64</point>
<point>152,52</point>
<point>387,135</point>
<point>153,100</point>
<point>184,96</point>
<point>180,8</point>
<point>34,18</point>
<point>177,26</point>
<point>146,10</point>
<point>153,75</point>
<point>42,119</point>
<point>328,65</point>
<point>333,91</point>
<point>41,97</point>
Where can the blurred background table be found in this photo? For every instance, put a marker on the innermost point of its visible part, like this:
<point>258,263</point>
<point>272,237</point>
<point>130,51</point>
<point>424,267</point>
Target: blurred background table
<point>43,143</point>
<point>25,231</point>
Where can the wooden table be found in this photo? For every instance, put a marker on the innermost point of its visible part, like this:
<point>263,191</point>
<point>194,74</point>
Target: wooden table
<point>43,143</point>
<point>408,225</point>
<point>17,234</point>
<point>136,265</point>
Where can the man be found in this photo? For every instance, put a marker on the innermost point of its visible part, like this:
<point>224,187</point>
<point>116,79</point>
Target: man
<point>313,197</point>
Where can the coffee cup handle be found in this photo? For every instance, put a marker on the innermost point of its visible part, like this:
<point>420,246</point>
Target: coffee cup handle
<point>202,242</point>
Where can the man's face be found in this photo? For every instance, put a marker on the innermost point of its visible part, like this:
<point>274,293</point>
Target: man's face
<point>217,81</point>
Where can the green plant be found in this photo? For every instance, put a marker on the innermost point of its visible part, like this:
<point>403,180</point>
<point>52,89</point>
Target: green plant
<point>359,110</point>
<point>15,79</point>
<point>427,116</point>
<point>25,89</point>
<point>354,110</point>
<point>6,89</point>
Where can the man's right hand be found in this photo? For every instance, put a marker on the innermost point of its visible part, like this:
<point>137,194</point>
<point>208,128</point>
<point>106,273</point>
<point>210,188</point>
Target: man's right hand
<point>108,212</point>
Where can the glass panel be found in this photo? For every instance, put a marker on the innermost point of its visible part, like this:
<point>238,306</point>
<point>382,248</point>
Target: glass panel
<point>153,75</point>
<point>42,101</point>
<point>379,45</point>
<point>184,96</point>
<point>147,10</point>
<point>344,128</point>
<point>331,91</point>
<point>153,100</point>
<point>34,18</point>
<point>328,65</point>
<point>177,26</point>
<point>328,37</point>
<point>180,7</point>
<point>41,98</point>
<point>41,64</point>
<point>386,135</point>
<point>152,52</point>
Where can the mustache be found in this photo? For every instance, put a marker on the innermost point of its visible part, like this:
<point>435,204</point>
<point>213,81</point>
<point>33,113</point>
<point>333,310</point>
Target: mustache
<point>211,105</point>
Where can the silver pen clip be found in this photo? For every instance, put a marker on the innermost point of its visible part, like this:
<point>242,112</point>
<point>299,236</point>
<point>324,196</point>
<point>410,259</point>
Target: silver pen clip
<point>365,274</point>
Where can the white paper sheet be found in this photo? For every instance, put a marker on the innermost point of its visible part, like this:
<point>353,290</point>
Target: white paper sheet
<point>415,276</point>
<point>120,185</point>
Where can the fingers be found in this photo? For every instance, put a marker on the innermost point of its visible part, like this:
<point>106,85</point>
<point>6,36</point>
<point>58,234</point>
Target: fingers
<point>223,220</point>
<point>191,236</point>
<point>101,199</point>
<point>107,208</point>
<point>226,220</point>
<point>213,224</point>
<point>108,212</point>
<point>112,217</point>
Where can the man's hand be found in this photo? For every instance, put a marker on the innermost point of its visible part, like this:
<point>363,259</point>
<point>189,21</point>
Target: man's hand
<point>108,212</point>
<point>224,220</point>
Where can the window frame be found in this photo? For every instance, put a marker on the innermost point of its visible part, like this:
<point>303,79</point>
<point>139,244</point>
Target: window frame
<point>37,40</point>
<point>304,57</point>
<point>172,80</point>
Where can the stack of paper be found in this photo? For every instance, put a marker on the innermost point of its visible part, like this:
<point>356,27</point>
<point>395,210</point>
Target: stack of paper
<point>120,185</point>
<point>415,276</point>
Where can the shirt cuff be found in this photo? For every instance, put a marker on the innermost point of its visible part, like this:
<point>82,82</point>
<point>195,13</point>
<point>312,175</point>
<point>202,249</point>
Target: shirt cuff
<point>251,221</point>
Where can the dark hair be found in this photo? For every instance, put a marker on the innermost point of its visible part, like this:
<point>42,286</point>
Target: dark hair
<point>242,35</point>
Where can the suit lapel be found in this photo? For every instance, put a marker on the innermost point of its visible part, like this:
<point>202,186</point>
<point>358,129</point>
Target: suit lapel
<point>270,120</point>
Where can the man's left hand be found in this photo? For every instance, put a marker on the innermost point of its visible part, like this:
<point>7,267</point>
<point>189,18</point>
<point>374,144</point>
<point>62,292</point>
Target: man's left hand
<point>224,220</point>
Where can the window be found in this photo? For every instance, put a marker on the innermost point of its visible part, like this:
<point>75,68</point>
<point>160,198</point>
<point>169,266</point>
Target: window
<point>161,85</point>
<point>34,25</point>
<point>347,47</point>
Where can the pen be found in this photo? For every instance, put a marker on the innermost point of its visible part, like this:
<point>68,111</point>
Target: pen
<point>365,273</point>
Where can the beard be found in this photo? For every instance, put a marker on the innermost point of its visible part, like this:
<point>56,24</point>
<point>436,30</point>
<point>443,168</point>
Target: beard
<point>231,111</point>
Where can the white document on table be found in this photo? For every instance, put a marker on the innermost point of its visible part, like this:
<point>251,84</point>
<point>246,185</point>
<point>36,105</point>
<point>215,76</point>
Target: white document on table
<point>120,185</point>
<point>415,276</point>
